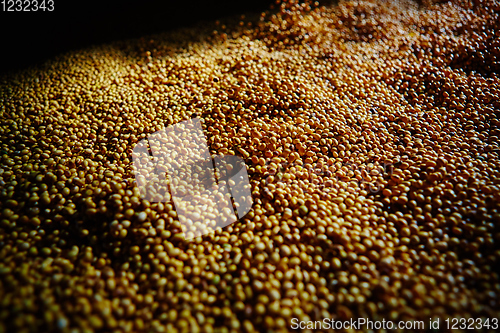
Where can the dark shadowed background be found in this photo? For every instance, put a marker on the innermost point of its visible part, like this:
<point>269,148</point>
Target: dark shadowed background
<point>28,38</point>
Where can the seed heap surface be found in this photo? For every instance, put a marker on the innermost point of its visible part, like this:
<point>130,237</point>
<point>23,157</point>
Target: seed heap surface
<point>370,132</point>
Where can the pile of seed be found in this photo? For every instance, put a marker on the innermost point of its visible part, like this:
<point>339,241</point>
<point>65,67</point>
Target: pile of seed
<point>370,130</point>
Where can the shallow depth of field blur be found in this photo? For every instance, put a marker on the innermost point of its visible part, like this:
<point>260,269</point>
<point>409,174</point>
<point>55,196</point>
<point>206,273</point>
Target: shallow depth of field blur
<point>318,101</point>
